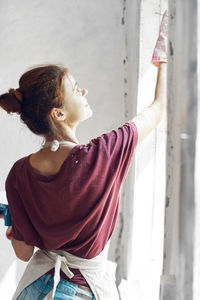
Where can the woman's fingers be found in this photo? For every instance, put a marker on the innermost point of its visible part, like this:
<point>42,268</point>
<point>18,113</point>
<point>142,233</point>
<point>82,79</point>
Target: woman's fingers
<point>9,233</point>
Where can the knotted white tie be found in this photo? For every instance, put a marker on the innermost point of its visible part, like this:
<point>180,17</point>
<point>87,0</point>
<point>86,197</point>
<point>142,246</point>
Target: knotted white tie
<point>58,261</point>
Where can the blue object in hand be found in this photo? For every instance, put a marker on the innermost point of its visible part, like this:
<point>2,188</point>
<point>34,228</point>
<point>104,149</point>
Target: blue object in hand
<point>4,210</point>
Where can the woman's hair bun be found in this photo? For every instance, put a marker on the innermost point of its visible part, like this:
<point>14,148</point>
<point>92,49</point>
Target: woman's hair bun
<point>40,89</point>
<point>16,93</point>
<point>11,102</point>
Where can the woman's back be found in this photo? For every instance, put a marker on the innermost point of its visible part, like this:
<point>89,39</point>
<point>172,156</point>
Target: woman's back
<point>74,205</point>
<point>47,162</point>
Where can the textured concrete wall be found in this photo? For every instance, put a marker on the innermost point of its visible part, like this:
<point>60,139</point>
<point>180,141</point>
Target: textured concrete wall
<point>196,274</point>
<point>123,231</point>
<point>177,281</point>
<point>88,37</point>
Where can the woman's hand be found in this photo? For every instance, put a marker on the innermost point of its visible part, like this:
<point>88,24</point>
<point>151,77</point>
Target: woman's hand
<point>160,50</point>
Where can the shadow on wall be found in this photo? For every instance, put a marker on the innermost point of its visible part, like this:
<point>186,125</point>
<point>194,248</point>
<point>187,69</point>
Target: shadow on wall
<point>11,268</point>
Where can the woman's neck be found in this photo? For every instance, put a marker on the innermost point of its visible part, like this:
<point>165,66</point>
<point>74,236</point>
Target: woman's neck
<point>65,134</point>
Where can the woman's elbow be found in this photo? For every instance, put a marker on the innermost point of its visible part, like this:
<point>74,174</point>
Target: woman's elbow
<point>23,257</point>
<point>23,251</point>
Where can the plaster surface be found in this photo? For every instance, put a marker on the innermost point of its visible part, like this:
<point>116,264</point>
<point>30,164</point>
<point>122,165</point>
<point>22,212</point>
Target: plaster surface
<point>88,38</point>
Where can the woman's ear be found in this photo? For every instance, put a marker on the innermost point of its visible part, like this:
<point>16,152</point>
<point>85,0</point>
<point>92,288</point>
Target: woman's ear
<point>57,114</point>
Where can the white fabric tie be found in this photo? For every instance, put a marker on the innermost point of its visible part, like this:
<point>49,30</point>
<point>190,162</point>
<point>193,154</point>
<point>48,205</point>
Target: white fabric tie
<point>58,261</point>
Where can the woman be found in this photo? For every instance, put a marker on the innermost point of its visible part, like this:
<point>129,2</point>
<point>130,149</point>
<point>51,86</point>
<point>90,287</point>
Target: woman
<point>64,198</point>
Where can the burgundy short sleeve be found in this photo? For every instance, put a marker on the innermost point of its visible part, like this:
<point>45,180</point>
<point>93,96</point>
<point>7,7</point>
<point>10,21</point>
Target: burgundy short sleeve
<point>15,205</point>
<point>22,227</point>
<point>119,146</point>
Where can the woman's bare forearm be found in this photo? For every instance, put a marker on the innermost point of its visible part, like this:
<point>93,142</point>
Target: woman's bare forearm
<point>161,84</point>
<point>148,119</point>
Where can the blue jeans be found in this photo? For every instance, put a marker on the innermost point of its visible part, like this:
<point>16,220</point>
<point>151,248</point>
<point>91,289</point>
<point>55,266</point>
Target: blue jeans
<point>65,290</point>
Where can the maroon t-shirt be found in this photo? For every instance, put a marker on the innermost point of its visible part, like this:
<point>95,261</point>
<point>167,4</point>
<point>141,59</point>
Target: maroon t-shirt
<point>76,209</point>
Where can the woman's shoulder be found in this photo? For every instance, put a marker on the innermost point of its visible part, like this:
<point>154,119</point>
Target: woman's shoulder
<point>15,167</point>
<point>18,163</point>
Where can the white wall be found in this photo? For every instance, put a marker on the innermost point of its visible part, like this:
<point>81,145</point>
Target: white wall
<point>99,42</point>
<point>87,36</point>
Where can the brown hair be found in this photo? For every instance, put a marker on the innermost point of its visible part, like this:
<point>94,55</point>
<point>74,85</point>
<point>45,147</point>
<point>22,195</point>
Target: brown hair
<point>41,89</point>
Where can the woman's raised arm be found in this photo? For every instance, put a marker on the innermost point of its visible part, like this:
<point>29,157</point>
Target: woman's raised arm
<point>148,119</point>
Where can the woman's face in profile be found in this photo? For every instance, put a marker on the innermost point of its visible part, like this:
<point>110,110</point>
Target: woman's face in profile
<point>75,102</point>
